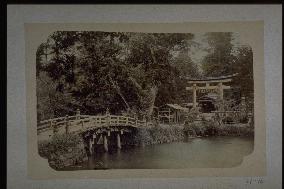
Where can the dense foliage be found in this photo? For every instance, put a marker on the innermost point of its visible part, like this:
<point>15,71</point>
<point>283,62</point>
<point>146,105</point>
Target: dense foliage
<point>225,58</point>
<point>158,134</point>
<point>209,128</point>
<point>63,150</point>
<point>128,72</point>
<point>93,70</point>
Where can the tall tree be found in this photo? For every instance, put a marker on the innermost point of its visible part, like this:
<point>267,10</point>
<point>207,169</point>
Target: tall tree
<point>224,59</point>
<point>243,65</point>
<point>120,70</point>
<point>152,71</point>
<point>185,68</point>
<point>219,59</point>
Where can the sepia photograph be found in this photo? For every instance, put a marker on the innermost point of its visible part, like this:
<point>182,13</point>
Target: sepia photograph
<point>144,96</point>
<point>140,100</point>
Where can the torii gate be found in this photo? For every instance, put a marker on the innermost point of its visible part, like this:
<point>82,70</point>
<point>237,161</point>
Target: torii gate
<point>219,88</point>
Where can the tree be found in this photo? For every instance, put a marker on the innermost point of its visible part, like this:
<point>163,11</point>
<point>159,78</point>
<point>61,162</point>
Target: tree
<point>122,71</point>
<point>219,60</point>
<point>243,65</point>
<point>152,72</point>
<point>225,59</point>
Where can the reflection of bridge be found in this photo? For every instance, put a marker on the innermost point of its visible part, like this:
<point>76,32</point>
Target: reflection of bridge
<point>91,127</point>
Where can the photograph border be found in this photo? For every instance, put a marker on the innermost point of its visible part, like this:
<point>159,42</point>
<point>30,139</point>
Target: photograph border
<point>252,32</point>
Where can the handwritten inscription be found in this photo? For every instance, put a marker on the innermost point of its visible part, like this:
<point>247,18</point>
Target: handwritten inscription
<point>254,181</point>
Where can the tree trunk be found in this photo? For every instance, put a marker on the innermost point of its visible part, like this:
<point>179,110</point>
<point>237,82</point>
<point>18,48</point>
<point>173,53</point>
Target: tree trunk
<point>152,93</point>
<point>116,87</point>
<point>147,97</point>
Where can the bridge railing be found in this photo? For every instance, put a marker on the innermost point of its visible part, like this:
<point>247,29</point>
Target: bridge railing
<point>86,121</point>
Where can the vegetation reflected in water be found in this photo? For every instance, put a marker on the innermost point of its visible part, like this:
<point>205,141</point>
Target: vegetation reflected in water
<point>210,152</point>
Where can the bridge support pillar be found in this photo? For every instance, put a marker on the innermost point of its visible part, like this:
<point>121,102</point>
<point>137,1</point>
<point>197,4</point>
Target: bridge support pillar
<point>105,143</point>
<point>118,141</point>
<point>66,124</point>
<point>91,145</point>
<point>194,95</point>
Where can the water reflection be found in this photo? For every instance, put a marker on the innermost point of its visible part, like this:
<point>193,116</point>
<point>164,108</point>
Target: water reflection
<point>209,152</point>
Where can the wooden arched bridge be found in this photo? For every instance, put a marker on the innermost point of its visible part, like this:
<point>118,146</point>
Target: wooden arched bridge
<point>91,127</point>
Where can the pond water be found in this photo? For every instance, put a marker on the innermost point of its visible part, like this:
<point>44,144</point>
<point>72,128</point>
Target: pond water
<point>208,152</point>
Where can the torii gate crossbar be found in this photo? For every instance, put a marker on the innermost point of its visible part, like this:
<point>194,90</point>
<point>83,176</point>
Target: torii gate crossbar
<point>219,88</point>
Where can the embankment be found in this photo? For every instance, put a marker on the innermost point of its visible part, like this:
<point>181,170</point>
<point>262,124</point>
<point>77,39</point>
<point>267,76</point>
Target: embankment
<point>172,133</point>
<point>63,150</point>
<point>158,134</point>
<point>209,128</point>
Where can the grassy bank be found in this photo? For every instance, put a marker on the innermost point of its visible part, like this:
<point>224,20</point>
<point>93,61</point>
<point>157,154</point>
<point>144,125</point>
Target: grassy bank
<point>68,150</point>
<point>63,150</point>
<point>158,134</point>
<point>207,128</point>
<point>171,133</point>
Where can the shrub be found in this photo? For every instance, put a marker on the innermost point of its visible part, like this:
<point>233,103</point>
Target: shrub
<point>211,128</point>
<point>193,114</point>
<point>159,134</point>
<point>63,150</point>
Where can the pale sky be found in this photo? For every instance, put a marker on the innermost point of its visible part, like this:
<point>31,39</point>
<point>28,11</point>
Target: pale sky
<point>197,53</point>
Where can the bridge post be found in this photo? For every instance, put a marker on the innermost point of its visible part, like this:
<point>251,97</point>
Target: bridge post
<point>221,95</point>
<point>118,141</point>
<point>82,123</point>
<point>93,141</point>
<point>107,117</point>
<point>52,127</point>
<point>50,124</point>
<point>250,119</point>
<point>145,120</point>
<point>78,114</point>
<point>136,119</point>
<point>66,124</point>
<point>105,143</point>
<point>55,129</point>
<point>194,95</point>
<point>127,120</point>
<point>91,145</point>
